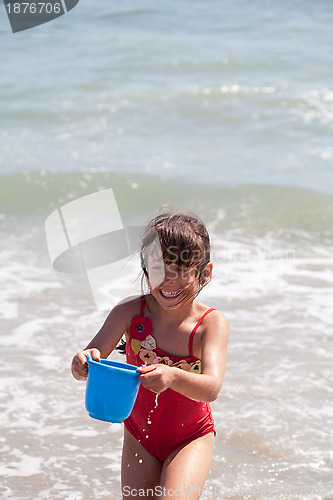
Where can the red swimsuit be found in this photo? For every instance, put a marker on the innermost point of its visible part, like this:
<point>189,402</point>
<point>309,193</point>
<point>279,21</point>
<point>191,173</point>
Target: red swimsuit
<point>162,424</point>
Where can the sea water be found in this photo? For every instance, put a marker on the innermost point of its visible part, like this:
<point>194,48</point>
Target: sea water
<point>225,109</point>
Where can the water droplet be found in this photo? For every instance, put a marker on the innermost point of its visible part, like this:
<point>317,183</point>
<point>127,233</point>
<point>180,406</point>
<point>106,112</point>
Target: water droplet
<point>140,461</point>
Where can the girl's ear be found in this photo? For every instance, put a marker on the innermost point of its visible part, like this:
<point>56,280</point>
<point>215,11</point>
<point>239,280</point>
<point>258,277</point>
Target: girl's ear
<point>206,273</point>
<point>209,269</point>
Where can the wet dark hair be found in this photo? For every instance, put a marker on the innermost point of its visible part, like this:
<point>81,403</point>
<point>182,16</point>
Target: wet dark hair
<point>184,242</point>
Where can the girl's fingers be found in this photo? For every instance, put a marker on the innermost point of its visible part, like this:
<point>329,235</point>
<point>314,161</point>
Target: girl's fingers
<point>95,354</point>
<point>79,370</point>
<point>148,376</point>
<point>79,363</point>
<point>147,368</point>
<point>156,378</point>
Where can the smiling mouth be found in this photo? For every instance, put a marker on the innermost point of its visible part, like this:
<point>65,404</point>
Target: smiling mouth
<point>169,295</point>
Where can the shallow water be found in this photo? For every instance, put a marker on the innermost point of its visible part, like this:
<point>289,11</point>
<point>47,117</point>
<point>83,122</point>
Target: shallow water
<point>226,111</point>
<point>273,417</point>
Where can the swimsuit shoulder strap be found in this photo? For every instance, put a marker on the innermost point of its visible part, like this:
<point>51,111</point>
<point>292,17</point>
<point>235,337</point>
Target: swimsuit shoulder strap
<point>143,304</point>
<point>190,343</point>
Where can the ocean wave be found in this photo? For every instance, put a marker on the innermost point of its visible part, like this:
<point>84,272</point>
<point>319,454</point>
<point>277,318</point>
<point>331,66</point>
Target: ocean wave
<point>242,211</point>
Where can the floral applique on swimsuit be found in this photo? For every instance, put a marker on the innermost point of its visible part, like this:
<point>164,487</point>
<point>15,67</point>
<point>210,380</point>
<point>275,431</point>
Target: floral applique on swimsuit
<point>144,344</point>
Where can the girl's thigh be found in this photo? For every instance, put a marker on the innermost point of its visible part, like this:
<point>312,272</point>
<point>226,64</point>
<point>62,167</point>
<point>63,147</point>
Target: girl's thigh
<point>185,471</point>
<point>140,471</point>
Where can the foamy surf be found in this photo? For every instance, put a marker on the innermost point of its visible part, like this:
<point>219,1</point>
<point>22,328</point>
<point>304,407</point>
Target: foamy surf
<point>272,417</point>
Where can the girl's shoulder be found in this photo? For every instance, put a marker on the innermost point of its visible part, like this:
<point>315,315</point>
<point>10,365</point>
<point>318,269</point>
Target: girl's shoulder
<point>201,309</point>
<point>130,305</point>
<point>124,311</point>
<point>212,320</point>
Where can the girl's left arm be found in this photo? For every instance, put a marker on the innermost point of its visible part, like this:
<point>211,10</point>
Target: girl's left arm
<point>199,387</point>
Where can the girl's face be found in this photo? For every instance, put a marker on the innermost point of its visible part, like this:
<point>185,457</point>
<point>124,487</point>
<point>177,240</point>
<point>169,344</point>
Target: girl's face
<point>170,284</point>
<point>177,283</point>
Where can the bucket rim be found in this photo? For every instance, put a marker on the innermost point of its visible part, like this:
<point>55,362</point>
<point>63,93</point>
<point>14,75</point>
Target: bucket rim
<point>114,365</point>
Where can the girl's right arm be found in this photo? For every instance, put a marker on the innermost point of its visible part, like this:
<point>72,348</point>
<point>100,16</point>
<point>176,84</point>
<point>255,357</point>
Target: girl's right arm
<point>115,325</point>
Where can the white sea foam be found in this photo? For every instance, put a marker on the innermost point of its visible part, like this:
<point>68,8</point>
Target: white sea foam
<point>24,466</point>
<point>274,406</point>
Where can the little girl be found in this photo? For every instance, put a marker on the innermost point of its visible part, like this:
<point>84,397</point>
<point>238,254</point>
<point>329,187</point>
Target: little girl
<point>180,346</point>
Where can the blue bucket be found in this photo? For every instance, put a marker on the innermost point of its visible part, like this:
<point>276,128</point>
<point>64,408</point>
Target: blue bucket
<point>111,390</point>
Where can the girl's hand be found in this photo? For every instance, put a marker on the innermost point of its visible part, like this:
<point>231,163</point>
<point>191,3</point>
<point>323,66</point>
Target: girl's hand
<point>79,362</point>
<point>156,378</point>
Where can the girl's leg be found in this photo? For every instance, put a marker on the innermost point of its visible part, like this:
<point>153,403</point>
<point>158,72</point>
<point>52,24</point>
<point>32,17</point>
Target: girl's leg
<point>185,471</point>
<point>139,469</point>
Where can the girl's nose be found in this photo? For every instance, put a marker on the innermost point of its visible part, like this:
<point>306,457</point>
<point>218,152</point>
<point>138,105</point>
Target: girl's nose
<point>171,275</point>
